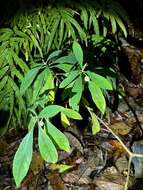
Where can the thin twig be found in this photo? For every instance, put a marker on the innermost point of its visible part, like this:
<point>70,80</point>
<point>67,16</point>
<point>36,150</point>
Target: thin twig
<point>131,154</point>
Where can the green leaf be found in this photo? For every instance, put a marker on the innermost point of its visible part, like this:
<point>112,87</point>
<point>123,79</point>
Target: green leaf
<point>77,89</point>
<point>3,82</point>
<point>3,71</point>
<point>54,54</point>
<point>35,42</point>
<point>20,62</point>
<point>49,81</point>
<point>97,96</point>
<point>50,111</point>
<point>32,123</point>
<point>95,123</point>
<point>113,24</point>
<point>84,17</point>
<point>65,67</point>
<point>22,158</point>
<point>60,139</point>
<point>71,113</point>
<point>64,120</point>
<point>61,167</point>
<point>38,84</point>
<point>46,147</point>
<point>66,59</point>
<point>28,79</point>
<point>77,50</point>
<point>53,32</point>
<point>99,80</point>
<point>72,75</point>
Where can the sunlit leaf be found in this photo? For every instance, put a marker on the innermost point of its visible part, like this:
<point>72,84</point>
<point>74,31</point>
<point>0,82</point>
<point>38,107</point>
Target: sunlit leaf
<point>71,113</point>
<point>60,139</point>
<point>64,120</point>
<point>50,111</point>
<point>95,123</point>
<point>77,90</point>
<point>22,158</point>
<point>99,80</point>
<point>97,96</point>
<point>46,147</point>
<point>61,167</point>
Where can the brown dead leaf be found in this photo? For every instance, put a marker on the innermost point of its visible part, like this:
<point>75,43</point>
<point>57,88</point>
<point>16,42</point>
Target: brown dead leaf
<point>37,163</point>
<point>56,181</point>
<point>120,128</point>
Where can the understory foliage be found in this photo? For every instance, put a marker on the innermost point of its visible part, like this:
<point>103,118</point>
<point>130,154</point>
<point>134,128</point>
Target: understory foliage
<point>52,63</point>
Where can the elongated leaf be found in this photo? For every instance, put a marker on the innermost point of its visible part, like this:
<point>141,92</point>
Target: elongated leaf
<point>20,62</point>
<point>3,82</point>
<point>35,42</point>
<point>22,158</point>
<point>95,123</point>
<point>61,167</point>
<point>71,113</point>
<point>53,32</point>
<point>66,59</point>
<point>99,80</point>
<point>97,96</point>
<point>64,120</point>
<point>48,80</point>
<point>32,123</point>
<point>46,147</point>
<point>84,17</point>
<point>60,139</point>
<point>77,50</point>
<point>38,84</point>
<point>54,54</point>
<point>3,71</point>
<point>50,111</point>
<point>72,75</point>
<point>65,67</point>
<point>61,32</point>
<point>113,24</point>
<point>77,89</point>
<point>28,79</point>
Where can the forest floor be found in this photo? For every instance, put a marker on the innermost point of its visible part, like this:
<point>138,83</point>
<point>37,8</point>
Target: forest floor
<point>97,162</point>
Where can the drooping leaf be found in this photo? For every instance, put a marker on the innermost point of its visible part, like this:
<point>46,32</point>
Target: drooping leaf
<point>61,167</point>
<point>97,96</point>
<point>46,147</point>
<point>38,84</point>
<point>66,59</point>
<point>3,82</point>
<point>113,24</point>
<point>3,71</point>
<point>60,139</point>
<point>99,80</point>
<point>48,80</point>
<point>64,120</point>
<point>22,158</point>
<point>65,67</point>
<point>71,113</point>
<point>77,50</point>
<point>28,79</point>
<point>32,123</point>
<point>77,90</point>
<point>72,75</point>
<point>54,54</point>
<point>95,123</point>
<point>50,111</point>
